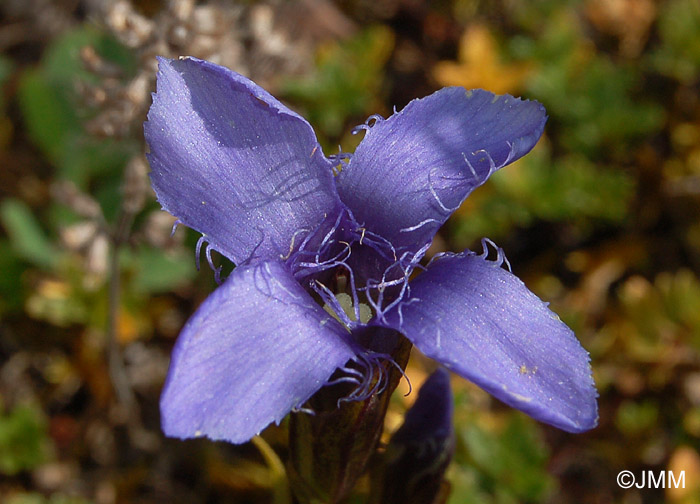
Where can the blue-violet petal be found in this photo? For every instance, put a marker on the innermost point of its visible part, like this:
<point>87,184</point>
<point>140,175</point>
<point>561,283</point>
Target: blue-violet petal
<point>413,169</point>
<point>480,321</point>
<point>233,163</point>
<point>258,347</point>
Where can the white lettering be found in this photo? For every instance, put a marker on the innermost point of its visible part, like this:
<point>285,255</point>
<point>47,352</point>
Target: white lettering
<point>651,479</point>
<point>673,483</point>
<point>657,483</point>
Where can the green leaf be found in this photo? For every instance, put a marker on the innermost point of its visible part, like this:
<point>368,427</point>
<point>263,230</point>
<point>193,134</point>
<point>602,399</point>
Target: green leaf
<point>23,439</point>
<point>155,270</point>
<point>26,236</point>
<point>537,187</point>
<point>498,460</point>
<point>54,112</point>
<point>62,61</point>
<point>634,418</point>
<point>48,115</point>
<point>595,104</point>
<point>679,31</point>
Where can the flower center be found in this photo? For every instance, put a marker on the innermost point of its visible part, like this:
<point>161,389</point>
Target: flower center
<point>344,301</point>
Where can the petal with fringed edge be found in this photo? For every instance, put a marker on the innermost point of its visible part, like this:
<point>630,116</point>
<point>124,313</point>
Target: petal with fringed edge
<point>233,163</point>
<point>258,347</point>
<point>413,169</point>
<point>481,322</point>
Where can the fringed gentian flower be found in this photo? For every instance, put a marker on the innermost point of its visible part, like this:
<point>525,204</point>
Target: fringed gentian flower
<point>325,246</point>
<point>421,449</point>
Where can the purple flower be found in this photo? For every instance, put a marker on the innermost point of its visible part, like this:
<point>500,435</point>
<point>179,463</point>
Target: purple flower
<point>324,248</point>
<point>421,449</point>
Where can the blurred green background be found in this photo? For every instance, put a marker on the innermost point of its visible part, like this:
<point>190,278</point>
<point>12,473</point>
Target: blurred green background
<point>602,219</point>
